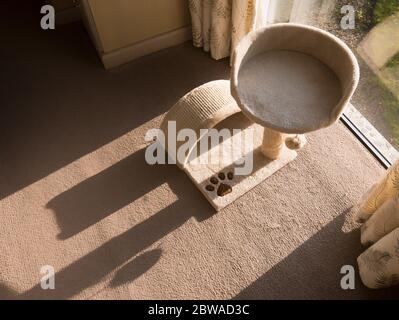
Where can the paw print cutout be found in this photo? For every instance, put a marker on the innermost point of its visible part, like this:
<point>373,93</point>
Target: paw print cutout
<point>219,183</point>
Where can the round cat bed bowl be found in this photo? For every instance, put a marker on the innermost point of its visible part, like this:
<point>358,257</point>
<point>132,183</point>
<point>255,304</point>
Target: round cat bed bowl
<point>293,78</point>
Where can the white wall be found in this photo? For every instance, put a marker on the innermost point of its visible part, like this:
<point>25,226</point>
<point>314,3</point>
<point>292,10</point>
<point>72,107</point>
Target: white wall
<point>120,23</point>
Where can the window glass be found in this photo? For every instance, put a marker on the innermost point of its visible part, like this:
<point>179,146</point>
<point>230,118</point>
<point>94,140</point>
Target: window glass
<point>371,29</point>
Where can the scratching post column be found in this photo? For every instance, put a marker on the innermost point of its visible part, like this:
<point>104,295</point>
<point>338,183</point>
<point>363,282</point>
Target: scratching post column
<point>273,143</point>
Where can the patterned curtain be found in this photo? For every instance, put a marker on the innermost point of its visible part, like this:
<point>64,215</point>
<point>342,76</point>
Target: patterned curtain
<point>379,210</point>
<point>218,25</point>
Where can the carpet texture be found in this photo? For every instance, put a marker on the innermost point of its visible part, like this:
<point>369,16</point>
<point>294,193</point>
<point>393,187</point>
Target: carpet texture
<point>76,193</point>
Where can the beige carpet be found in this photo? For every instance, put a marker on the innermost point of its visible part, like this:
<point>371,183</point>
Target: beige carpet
<point>76,193</point>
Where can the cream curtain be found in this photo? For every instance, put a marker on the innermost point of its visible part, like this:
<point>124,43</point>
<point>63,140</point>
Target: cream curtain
<point>379,210</point>
<point>218,25</point>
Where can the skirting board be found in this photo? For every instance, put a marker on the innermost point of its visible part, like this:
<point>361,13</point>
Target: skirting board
<point>137,50</point>
<point>68,16</point>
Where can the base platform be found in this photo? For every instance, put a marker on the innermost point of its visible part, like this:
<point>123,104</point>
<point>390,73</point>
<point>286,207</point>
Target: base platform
<point>219,181</point>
